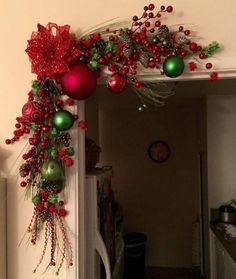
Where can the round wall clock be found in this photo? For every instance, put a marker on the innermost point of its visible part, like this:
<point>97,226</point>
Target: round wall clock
<point>159,151</point>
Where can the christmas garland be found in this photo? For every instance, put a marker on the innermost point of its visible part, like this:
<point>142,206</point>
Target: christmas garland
<point>67,69</point>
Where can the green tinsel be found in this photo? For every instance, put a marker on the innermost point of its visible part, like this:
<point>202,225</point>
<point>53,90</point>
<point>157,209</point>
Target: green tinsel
<point>53,198</point>
<point>70,151</point>
<point>35,87</point>
<point>36,199</point>
<point>110,46</point>
<point>211,48</point>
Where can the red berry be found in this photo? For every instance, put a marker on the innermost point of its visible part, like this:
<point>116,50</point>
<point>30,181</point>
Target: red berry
<point>59,103</point>
<point>109,55</point>
<point>208,65</point>
<point>151,7</point>
<point>183,53</point>
<point>145,8</point>
<point>169,9</point>
<point>147,24</point>
<point>137,84</point>
<point>8,141</point>
<point>61,203</point>
<point>102,61</point>
<point>135,18</point>
<point>25,156</point>
<point>202,55</point>
<point>193,46</point>
<point>96,37</point>
<point>187,32</point>
<point>23,184</point>
<point>151,15</point>
<point>158,14</point>
<point>157,23</point>
<point>181,28</point>
<point>163,8</point>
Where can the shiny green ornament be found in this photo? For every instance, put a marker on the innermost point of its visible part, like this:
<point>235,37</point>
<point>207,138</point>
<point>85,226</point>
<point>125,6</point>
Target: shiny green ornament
<point>155,40</point>
<point>173,66</point>
<point>59,187</point>
<point>62,120</point>
<point>82,59</point>
<point>52,170</point>
<point>165,43</point>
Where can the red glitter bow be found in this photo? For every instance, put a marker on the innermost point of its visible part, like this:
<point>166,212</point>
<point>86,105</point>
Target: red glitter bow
<point>50,52</point>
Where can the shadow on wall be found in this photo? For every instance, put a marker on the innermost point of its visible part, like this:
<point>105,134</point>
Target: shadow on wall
<point>4,155</point>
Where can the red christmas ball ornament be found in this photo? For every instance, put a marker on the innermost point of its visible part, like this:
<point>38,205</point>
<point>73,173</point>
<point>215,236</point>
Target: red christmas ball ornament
<point>79,82</point>
<point>33,111</point>
<point>116,83</point>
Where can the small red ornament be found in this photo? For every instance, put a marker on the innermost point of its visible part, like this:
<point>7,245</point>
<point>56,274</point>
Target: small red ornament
<point>169,9</point>
<point>82,125</point>
<point>213,76</point>
<point>33,111</point>
<point>208,65</point>
<point>62,212</point>
<point>116,83</point>
<point>8,141</point>
<point>192,66</point>
<point>79,82</point>
<point>193,46</point>
<point>68,161</point>
<point>52,208</point>
<point>62,152</point>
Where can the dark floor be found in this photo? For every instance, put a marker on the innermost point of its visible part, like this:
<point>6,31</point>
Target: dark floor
<point>171,273</point>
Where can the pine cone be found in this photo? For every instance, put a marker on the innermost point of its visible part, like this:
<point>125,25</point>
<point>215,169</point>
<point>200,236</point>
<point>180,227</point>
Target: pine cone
<point>127,51</point>
<point>64,138</point>
<point>144,58</point>
<point>181,40</point>
<point>100,45</point>
<point>50,87</point>
<point>163,31</point>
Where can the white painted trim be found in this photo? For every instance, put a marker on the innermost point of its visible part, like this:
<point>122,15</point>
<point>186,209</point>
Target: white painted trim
<point>75,206</point>
<point>154,75</point>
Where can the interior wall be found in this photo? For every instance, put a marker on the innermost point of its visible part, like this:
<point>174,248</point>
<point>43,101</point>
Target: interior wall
<point>221,134</point>
<point>160,200</point>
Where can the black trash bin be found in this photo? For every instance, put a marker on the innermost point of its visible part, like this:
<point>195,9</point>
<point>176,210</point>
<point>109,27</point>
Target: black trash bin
<point>134,255</point>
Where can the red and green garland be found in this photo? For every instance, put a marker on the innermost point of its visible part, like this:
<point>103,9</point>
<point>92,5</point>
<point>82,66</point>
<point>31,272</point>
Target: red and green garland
<point>67,69</point>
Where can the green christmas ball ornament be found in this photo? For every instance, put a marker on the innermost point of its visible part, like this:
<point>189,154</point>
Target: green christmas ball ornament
<point>60,186</point>
<point>52,170</point>
<point>173,66</point>
<point>62,120</point>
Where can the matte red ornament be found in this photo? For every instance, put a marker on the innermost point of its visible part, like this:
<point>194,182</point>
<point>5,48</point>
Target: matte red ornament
<point>116,83</point>
<point>79,82</point>
<point>33,111</point>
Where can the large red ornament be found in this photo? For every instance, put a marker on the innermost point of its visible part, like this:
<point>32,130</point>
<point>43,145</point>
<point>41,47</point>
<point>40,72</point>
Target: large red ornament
<point>116,83</point>
<point>79,82</point>
<point>33,111</point>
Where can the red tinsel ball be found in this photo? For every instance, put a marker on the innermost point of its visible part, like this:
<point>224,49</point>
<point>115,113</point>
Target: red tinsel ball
<point>116,83</point>
<point>79,82</point>
<point>33,111</point>
<point>62,212</point>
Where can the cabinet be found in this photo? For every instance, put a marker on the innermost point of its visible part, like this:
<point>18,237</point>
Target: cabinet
<point>223,266</point>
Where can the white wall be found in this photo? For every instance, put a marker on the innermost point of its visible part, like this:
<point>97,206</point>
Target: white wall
<point>221,134</point>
